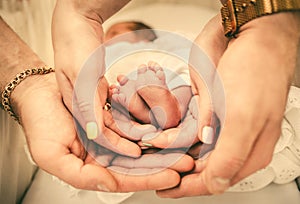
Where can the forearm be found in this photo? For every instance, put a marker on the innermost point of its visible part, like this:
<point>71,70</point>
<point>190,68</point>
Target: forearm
<point>15,55</point>
<point>99,10</point>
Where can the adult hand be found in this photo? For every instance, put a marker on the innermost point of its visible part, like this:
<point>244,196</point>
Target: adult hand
<point>256,70</point>
<point>182,136</point>
<point>39,104</point>
<point>77,32</point>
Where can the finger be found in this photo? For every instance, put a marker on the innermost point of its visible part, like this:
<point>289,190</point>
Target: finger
<point>74,171</point>
<point>176,161</point>
<point>172,138</point>
<point>99,155</point>
<point>232,150</point>
<point>200,150</point>
<point>109,138</point>
<point>202,74</point>
<point>206,119</point>
<point>117,144</point>
<point>262,152</point>
<point>211,41</point>
<point>78,149</point>
<point>67,90</point>
<point>191,185</point>
<point>125,127</point>
<point>87,102</point>
<point>110,121</point>
<point>138,180</point>
<point>200,164</point>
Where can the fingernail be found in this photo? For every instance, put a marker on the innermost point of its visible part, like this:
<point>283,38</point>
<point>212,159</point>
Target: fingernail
<point>102,188</point>
<point>147,144</point>
<point>91,130</point>
<point>207,135</point>
<point>219,185</point>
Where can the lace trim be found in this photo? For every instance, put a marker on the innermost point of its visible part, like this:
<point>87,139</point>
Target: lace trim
<point>285,165</point>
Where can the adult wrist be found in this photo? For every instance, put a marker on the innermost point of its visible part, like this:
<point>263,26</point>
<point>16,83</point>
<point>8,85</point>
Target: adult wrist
<point>98,10</point>
<point>29,89</point>
<point>236,13</point>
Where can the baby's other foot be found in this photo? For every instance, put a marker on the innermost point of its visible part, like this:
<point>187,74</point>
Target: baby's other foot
<point>152,87</point>
<point>126,96</point>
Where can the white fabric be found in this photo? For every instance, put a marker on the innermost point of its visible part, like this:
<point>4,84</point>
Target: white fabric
<point>33,25</point>
<point>285,165</point>
<point>32,20</point>
<point>125,57</point>
<point>46,191</point>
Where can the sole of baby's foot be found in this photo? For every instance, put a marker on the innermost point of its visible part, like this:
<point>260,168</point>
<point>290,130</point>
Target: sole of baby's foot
<point>151,86</point>
<point>126,96</point>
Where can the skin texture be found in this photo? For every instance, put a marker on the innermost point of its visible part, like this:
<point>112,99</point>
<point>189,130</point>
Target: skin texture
<point>38,103</point>
<point>263,52</point>
<point>76,40</point>
<point>141,95</point>
<point>249,65</point>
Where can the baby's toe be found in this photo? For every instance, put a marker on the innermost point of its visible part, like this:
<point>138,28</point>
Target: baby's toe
<point>161,75</point>
<point>115,93</point>
<point>142,69</point>
<point>154,66</point>
<point>121,98</point>
<point>122,79</point>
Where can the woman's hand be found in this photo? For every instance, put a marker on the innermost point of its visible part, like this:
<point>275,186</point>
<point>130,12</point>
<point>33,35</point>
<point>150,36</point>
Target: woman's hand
<point>256,70</point>
<point>77,33</point>
<point>56,148</point>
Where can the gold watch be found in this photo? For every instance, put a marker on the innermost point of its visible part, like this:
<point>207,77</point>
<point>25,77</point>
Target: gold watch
<point>236,13</point>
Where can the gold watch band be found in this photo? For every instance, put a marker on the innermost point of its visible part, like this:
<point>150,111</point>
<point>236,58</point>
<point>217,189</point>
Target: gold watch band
<point>236,13</point>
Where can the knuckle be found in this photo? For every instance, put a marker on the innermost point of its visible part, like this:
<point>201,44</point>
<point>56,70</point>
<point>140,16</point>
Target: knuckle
<point>109,121</point>
<point>84,106</point>
<point>234,163</point>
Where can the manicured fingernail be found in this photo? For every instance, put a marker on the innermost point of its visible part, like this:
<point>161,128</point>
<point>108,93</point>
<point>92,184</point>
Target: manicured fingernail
<point>91,130</point>
<point>102,188</point>
<point>219,185</point>
<point>207,135</point>
<point>147,144</point>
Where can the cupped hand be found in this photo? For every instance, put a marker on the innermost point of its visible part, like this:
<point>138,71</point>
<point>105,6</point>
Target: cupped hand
<point>182,136</point>
<point>79,61</point>
<point>256,69</point>
<point>55,146</point>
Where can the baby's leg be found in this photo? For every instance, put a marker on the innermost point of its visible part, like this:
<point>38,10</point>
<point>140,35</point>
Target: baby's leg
<point>151,86</point>
<point>126,95</point>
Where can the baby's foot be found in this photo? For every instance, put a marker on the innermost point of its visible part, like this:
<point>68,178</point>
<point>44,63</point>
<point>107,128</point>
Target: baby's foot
<point>151,86</point>
<point>126,96</point>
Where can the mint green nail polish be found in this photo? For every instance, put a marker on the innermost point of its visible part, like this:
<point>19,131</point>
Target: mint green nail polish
<point>147,144</point>
<point>91,130</point>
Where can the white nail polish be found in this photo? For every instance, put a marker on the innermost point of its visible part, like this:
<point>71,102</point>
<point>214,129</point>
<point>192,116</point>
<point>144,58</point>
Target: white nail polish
<point>91,130</point>
<point>207,135</point>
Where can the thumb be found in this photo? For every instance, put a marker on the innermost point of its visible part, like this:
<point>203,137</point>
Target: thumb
<point>227,159</point>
